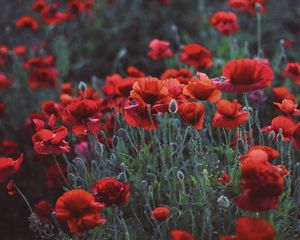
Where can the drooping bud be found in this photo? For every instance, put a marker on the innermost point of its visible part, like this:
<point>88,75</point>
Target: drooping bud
<point>223,201</point>
<point>173,107</point>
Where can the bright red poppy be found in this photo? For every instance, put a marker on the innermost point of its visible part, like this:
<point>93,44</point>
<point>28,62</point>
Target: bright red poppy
<point>286,124</point>
<point>292,71</point>
<point>288,107</point>
<point>27,22</point>
<point>225,22</point>
<point>239,5</point>
<point>203,89</point>
<point>20,50</point>
<point>229,115</point>
<point>78,208</point>
<point>160,214</point>
<point>182,75</point>
<point>281,93</point>
<point>196,55</point>
<point>159,49</point>
<point>135,72</point>
<point>51,15</point>
<point>8,167</point>
<point>250,228</point>
<point>192,113</point>
<point>245,75</point>
<point>111,191</point>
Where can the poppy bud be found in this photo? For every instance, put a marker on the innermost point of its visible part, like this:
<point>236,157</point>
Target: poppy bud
<point>180,175</point>
<point>115,141</point>
<point>122,177</point>
<point>173,107</point>
<point>223,202</point>
<point>82,86</point>
<point>271,135</point>
<point>144,184</point>
<point>279,136</point>
<point>160,214</point>
<point>258,7</point>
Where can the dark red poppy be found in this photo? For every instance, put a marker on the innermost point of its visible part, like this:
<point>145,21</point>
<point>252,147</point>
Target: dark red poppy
<point>181,235</point>
<point>111,191</point>
<point>288,107</point>
<point>43,78</point>
<point>83,115</point>
<point>5,82</point>
<point>229,115</point>
<point>54,178</point>
<point>2,109</point>
<point>79,209</point>
<point>67,88</point>
<point>20,50</point>
<point>38,5</point>
<point>203,89</point>
<point>281,93</point>
<point>135,72</point>
<point>43,210</point>
<point>245,75</point>
<point>27,22</point>
<point>292,71</point>
<point>224,179</point>
<point>160,214</point>
<point>225,22</point>
<point>8,167</point>
<point>196,55</point>
<point>296,136</point>
<point>9,148</point>
<point>39,62</point>
<point>159,49</point>
<point>10,188</point>
<point>239,5</point>
<point>51,15</point>
<point>249,228</point>
<point>252,9</point>
<point>286,124</point>
<point>182,75</point>
<point>192,113</point>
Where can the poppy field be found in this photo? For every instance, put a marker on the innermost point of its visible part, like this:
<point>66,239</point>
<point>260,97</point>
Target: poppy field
<point>150,120</point>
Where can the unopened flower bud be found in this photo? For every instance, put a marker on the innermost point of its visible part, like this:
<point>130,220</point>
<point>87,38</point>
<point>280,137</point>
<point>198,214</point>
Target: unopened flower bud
<point>279,136</point>
<point>223,201</point>
<point>271,135</point>
<point>173,107</point>
<point>258,7</point>
<point>180,175</point>
<point>82,86</point>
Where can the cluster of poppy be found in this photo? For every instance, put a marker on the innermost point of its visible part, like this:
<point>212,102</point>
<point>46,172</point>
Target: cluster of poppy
<point>53,13</point>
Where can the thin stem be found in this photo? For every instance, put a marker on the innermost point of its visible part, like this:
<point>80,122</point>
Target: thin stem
<point>259,42</point>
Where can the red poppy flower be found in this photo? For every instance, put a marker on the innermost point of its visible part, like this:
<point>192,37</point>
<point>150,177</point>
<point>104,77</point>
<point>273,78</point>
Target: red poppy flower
<point>75,8</point>
<point>10,188</point>
<point>27,22</point>
<point>3,54</point>
<point>67,88</point>
<point>138,115</point>
<point>245,75</point>
<point>196,55</point>
<point>160,214</point>
<point>288,107</point>
<point>54,176</point>
<point>51,141</point>
<point>175,88</point>
<point>192,113</point>
<point>111,191</point>
<point>83,115</point>
<point>182,75</point>
<point>43,210</point>
<point>5,82</point>
<point>8,167</point>
<point>159,49</point>
<point>286,124</point>
<point>9,148</point>
<point>224,179</point>
<point>262,183</point>
<point>80,210</point>
<point>51,107</point>
<point>229,115</point>
<point>271,152</point>
<point>252,6</point>
<point>20,50</point>
<point>239,5</point>
<point>165,2</point>
<point>43,78</point>
<point>39,62</point>
<point>181,235</point>
<point>202,89</point>
<point>249,228</point>
<point>38,5</point>
<point>135,72</point>
<point>292,71</point>
<point>225,22</point>
<point>149,91</point>
<point>281,93</point>
<point>51,16</point>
